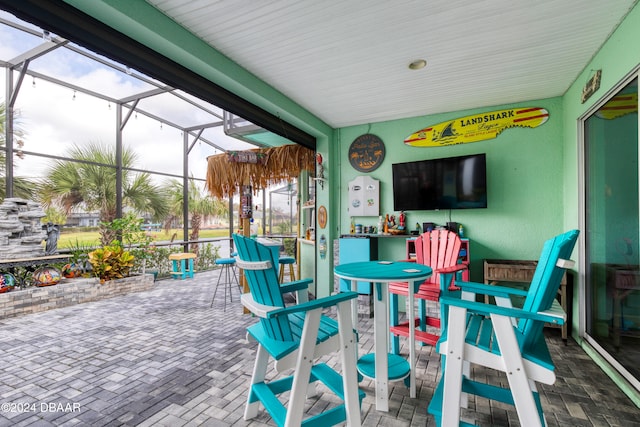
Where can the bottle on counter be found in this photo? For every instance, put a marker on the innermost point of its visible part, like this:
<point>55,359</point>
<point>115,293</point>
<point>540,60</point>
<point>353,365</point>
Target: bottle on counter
<point>353,227</point>
<point>460,231</point>
<point>380,226</point>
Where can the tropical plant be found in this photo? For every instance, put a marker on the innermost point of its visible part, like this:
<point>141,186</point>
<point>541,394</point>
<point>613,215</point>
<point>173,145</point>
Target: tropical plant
<point>136,240</point>
<point>284,227</point>
<point>207,257</point>
<point>111,262</point>
<point>89,181</point>
<point>79,252</point>
<point>21,187</point>
<point>289,246</point>
<point>200,206</point>
<point>159,259</point>
<point>54,216</point>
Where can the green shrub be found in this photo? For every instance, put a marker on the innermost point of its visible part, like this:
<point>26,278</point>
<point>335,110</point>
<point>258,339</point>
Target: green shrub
<point>289,246</point>
<point>111,262</point>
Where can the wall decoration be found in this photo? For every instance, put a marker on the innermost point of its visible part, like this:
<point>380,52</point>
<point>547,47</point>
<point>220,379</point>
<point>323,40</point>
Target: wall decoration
<point>246,202</point>
<point>592,86</point>
<point>366,153</point>
<point>477,127</point>
<point>322,217</point>
<point>364,196</point>
<point>320,171</point>
<point>254,157</point>
<point>322,247</point>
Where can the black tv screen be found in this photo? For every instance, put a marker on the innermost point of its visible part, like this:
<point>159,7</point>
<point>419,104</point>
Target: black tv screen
<point>449,183</point>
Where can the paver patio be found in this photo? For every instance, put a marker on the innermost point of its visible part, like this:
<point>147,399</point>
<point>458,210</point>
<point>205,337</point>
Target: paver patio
<point>165,358</point>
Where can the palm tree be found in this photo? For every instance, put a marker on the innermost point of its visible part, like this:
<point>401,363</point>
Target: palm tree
<point>200,206</point>
<point>90,183</point>
<point>21,187</point>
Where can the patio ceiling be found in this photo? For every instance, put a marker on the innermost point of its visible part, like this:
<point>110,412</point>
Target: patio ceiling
<point>347,61</point>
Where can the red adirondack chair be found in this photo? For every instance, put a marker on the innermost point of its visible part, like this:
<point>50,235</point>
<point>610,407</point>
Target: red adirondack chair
<point>439,249</point>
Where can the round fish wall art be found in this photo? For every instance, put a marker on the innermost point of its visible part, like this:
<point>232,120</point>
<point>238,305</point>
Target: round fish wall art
<point>366,153</point>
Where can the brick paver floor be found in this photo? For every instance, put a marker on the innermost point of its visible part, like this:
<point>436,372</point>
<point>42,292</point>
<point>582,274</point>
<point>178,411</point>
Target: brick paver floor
<point>166,358</point>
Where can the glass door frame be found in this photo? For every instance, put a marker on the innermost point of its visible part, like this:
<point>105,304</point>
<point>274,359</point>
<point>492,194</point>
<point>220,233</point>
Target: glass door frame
<point>583,275</point>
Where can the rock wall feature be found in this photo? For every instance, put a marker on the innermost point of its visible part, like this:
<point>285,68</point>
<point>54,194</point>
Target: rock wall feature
<point>21,232</point>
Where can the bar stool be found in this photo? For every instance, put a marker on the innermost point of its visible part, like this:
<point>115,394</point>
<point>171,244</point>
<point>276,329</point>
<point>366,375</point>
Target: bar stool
<point>284,261</point>
<point>228,270</point>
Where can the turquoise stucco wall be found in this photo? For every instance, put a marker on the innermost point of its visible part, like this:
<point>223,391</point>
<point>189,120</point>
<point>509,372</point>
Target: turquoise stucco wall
<point>524,183</point>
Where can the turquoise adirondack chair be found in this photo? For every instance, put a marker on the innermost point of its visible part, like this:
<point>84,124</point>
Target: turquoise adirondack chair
<point>295,337</point>
<point>439,249</point>
<point>502,337</point>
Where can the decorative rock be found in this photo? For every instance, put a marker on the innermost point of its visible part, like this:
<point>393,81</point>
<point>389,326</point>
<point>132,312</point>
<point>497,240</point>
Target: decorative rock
<point>13,225</point>
<point>21,233</point>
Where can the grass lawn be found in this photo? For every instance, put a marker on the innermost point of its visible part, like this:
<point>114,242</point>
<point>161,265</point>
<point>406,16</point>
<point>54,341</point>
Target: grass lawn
<point>92,238</point>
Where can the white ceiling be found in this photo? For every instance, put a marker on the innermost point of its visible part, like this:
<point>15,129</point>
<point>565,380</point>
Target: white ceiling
<point>347,61</point>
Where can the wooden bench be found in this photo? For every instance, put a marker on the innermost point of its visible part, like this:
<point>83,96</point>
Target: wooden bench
<point>518,271</point>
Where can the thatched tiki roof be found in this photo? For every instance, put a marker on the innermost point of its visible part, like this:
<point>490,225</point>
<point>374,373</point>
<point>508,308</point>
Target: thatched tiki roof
<point>260,167</point>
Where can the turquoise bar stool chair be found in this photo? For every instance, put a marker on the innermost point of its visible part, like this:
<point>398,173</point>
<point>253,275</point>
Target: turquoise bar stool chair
<point>296,337</point>
<point>227,276</point>
<point>503,336</point>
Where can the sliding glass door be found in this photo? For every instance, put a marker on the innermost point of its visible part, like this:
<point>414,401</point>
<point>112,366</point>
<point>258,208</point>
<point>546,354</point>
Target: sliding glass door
<point>612,233</point>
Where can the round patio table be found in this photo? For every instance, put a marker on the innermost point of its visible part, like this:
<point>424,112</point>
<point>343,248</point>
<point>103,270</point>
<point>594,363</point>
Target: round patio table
<point>381,273</point>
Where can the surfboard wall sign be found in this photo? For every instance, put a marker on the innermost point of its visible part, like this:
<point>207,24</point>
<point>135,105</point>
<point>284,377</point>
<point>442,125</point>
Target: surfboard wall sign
<point>477,127</point>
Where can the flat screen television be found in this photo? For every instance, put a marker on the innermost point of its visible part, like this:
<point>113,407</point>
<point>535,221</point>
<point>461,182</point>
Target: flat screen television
<point>448,183</point>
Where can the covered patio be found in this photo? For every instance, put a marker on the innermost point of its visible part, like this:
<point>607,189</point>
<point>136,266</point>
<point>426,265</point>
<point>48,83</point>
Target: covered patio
<point>102,364</point>
<point>165,357</point>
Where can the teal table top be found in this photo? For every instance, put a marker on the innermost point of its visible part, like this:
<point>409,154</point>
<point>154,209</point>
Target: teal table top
<point>383,271</point>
